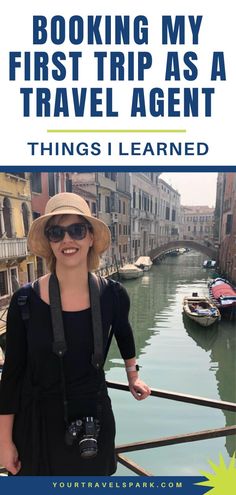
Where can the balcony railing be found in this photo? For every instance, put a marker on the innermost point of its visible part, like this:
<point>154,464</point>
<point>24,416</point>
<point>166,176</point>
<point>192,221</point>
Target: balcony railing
<point>13,248</point>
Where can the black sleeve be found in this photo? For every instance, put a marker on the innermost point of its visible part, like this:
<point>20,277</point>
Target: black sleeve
<point>15,358</point>
<point>122,328</point>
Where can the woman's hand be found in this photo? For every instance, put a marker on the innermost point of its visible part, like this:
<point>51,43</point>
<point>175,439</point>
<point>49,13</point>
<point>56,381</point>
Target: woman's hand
<point>9,458</point>
<point>138,388</point>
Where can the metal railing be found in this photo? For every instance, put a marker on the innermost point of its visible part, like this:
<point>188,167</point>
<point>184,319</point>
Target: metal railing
<point>172,440</point>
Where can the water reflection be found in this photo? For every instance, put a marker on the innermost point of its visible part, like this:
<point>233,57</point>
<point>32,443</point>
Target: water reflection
<point>220,340</point>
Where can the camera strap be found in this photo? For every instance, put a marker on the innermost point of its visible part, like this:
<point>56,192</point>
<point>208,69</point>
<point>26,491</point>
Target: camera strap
<point>59,342</point>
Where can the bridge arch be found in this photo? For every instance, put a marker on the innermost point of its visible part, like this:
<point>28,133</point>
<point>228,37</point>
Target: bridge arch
<point>208,250</point>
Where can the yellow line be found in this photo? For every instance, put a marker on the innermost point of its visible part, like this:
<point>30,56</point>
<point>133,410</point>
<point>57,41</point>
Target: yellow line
<point>115,130</point>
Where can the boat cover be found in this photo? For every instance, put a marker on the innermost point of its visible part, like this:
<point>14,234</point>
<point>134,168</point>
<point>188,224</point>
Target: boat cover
<point>224,292</point>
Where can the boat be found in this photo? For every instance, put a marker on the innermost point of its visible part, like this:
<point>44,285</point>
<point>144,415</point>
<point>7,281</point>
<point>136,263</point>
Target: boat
<point>130,271</point>
<point>144,262</point>
<point>182,250</point>
<point>223,294</point>
<point>209,264</point>
<point>201,310</point>
<point>175,252</point>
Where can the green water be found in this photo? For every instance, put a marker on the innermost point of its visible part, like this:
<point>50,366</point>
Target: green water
<point>175,355</point>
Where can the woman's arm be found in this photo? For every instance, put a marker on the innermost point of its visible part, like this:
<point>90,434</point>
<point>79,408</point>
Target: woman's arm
<point>8,452</point>
<point>138,388</point>
<point>125,341</point>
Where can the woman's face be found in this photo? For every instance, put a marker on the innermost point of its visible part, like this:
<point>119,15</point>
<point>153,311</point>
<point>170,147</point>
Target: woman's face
<point>71,252</point>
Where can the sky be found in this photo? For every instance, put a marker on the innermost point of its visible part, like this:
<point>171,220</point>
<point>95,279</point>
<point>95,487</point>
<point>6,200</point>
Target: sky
<point>195,188</point>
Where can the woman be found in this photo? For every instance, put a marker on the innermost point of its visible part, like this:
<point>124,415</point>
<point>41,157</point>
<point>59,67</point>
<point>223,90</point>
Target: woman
<point>38,414</point>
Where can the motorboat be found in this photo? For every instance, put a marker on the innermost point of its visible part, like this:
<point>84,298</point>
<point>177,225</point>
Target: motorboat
<point>209,264</point>
<point>144,262</point>
<point>182,250</point>
<point>201,310</point>
<point>130,271</point>
<point>222,293</point>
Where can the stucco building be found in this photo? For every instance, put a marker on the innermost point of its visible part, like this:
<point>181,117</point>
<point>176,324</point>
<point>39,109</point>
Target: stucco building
<point>199,223</point>
<point>227,252</point>
<point>16,265</point>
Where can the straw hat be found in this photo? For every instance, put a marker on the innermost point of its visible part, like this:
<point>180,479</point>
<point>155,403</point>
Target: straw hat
<point>66,204</point>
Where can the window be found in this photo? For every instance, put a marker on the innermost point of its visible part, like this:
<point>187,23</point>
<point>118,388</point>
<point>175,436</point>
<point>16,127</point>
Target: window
<point>7,217</point>
<point>14,279</point>
<point>25,215</point>
<point>107,204</point>
<point>94,209</point>
<point>68,184</point>
<point>140,200</point>
<point>229,221</point>
<point>173,215</point>
<point>123,207</point>
<point>111,175</point>
<point>99,202</point>
<point>51,184</point>
<point>36,182</point>
<point>30,272</point>
<point>134,198</point>
<point>167,213</point>
<point>3,284</point>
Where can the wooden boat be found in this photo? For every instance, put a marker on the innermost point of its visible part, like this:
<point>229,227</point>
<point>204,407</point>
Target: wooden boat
<point>201,310</point>
<point>144,262</point>
<point>130,271</point>
<point>223,294</point>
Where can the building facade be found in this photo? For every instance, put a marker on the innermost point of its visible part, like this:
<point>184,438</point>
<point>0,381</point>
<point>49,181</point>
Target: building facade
<point>199,223</point>
<point>144,213</point>
<point>169,213</point>
<point>17,267</point>
<point>227,251</point>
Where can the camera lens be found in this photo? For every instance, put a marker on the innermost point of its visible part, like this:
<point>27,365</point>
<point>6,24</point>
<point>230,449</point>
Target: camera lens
<point>88,448</point>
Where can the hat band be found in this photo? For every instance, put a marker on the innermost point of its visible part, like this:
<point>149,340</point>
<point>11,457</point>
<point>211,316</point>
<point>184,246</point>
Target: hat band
<point>75,208</point>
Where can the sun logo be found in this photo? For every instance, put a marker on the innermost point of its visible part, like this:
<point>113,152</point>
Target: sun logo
<point>223,481</point>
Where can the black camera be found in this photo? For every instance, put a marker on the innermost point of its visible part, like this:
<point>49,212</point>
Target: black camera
<point>85,431</point>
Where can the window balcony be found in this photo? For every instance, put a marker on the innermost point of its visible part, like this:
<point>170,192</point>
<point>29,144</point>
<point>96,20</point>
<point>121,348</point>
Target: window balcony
<point>13,248</point>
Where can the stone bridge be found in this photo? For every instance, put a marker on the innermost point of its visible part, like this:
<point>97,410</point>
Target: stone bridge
<point>204,248</point>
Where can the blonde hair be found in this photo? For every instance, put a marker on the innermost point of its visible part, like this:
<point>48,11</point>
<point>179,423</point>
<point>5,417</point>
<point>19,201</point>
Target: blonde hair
<point>93,259</point>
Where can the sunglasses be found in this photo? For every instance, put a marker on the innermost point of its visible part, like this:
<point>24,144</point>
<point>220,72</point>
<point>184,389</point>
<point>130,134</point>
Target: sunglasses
<point>77,231</point>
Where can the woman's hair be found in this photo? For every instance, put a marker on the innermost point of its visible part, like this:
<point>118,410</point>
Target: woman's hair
<point>93,258</point>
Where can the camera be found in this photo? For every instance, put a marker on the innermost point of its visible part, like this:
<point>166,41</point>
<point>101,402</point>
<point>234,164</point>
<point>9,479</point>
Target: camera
<point>85,431</point>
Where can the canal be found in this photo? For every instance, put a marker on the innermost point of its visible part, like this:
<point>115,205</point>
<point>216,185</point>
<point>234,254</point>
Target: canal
<point>180,356</point>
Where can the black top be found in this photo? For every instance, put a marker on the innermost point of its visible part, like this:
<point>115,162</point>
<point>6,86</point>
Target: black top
<point>29,359</point>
